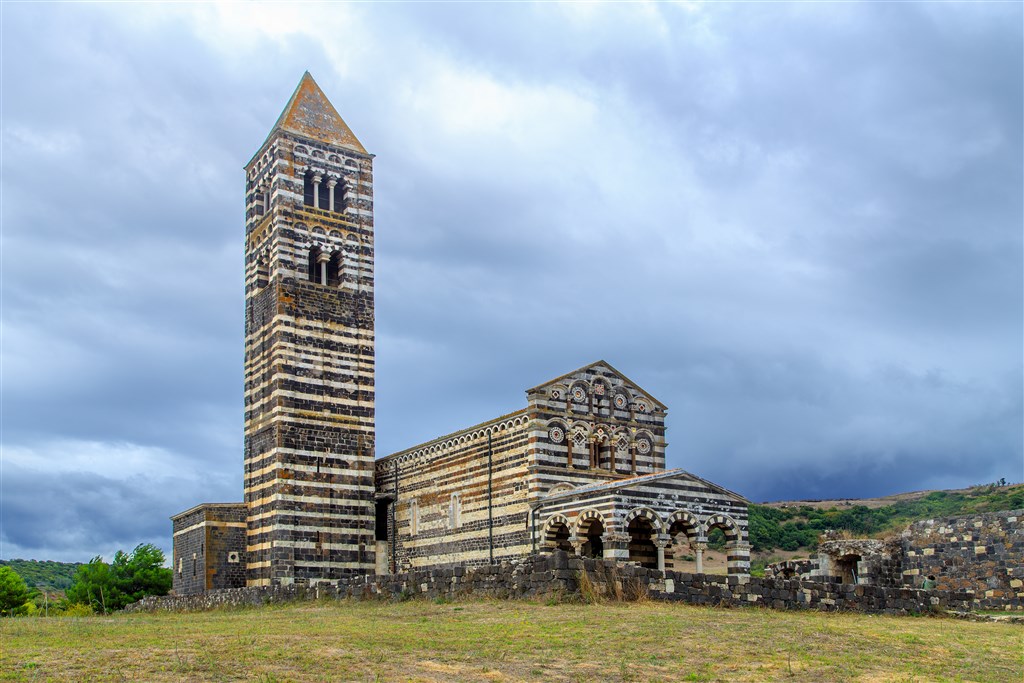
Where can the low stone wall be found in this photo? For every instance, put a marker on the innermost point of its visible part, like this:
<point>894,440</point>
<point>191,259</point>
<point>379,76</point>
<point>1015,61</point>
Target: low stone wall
<point>564,576</point>
<point>982,553</point>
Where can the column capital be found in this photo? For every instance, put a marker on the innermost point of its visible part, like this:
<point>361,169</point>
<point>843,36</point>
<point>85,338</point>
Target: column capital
<point>331,182</point>
<point>699,545</point>
<point>317,178</point>
<point>323,257</point>
<point>662,540</point>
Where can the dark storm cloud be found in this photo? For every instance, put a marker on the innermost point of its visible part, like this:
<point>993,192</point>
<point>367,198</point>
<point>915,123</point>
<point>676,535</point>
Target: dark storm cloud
<point>797,225</point>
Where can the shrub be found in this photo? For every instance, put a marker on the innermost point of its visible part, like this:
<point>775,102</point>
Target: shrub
<point>129,578</point>
<point>13,592</point>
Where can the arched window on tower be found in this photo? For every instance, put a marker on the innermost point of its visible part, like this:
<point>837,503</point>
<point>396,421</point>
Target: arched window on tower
<point>307,188</point>
<point>314,264</point>
<point>339,197</point>
<point>335,274</point>
<point>262,272</point>
<point>325,194</point>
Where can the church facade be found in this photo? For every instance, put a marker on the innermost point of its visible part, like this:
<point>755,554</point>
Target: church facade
<point>581,467</point>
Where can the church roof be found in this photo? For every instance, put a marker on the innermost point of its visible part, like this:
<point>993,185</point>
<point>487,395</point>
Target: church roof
<point>608,366</point>
<point>678,473</point>
<point>309,113</point>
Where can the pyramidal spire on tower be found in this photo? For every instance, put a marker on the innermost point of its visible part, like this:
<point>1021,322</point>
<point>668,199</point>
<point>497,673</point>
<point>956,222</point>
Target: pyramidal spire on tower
<point>309,113</point>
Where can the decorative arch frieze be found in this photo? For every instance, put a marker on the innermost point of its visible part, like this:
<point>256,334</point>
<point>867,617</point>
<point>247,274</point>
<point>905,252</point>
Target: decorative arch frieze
<point>693,528</point>
<point>646,513</point>
<point>584,518</point>
<point>555,520</point>
<point>724,522</point>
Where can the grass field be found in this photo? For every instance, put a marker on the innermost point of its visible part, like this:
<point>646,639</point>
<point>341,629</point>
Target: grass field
<point>508,641</point>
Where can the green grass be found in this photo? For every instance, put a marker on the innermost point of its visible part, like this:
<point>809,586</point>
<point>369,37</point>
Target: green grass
<point>508,641</point>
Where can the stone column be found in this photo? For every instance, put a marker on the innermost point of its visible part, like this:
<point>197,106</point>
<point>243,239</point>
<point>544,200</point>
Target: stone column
<point>593,451</point>
<point>577,544</point>
<point>316,191</point>
<point>323,258</point>
<point>616,546</point>
<point>738,558</point>
<point>330,189</point>
<point>264,197</point>
<point>660,541</point>
<point>698,551</point>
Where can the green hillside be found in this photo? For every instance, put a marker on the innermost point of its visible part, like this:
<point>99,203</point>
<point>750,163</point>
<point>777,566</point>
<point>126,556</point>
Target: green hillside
<point>44,573</point>
<point>797,526</point>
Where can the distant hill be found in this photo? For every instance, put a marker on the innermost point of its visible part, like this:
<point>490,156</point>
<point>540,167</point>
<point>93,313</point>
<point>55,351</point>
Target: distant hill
<point>795,525</point>
<point>46,574</point>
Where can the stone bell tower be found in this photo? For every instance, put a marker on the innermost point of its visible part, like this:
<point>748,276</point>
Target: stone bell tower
<point>309,348</point>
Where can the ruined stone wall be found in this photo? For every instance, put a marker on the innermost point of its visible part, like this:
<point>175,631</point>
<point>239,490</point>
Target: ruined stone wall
<point>455,497</point>
<point>309,364</point>
<point>559,575</point>
<point>983,553</point>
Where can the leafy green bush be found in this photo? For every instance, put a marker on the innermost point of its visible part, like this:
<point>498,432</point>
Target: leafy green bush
<point>14,594</point>
<point>109,587</point>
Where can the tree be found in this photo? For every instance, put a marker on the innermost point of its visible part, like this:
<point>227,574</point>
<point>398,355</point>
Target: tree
<point>13,591</point>
<point>95,584</point>
<point>130,577</point>
<point>143,573</point>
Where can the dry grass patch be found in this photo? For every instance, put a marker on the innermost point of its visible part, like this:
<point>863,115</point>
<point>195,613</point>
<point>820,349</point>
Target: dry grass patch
<point>508,641</point>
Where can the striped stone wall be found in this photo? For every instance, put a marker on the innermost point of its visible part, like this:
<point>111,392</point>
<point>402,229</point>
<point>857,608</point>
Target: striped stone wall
<point>209,548</point>
<point>593,425</point>
<point>309,364</point>
<point>459,499</point>
<point>673,510</point>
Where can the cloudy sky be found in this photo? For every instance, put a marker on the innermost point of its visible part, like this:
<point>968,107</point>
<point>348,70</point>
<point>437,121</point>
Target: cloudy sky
<point>798,225</point>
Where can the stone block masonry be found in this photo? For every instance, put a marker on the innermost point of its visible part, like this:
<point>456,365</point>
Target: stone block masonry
<point>981,553</point>
<point>309,349</point>
<point>209,548</point>
<point>558,575</point>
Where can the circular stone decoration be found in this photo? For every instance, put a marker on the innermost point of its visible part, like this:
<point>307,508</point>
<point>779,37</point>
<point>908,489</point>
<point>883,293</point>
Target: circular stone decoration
<point>643,446</point>
<point>578,395</point>
<point>620,401</point>
<point>556,434</point>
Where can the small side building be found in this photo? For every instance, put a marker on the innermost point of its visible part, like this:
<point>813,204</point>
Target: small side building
<point>209,548</point>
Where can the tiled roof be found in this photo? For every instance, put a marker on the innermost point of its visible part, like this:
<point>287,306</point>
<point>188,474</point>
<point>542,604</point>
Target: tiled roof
<point>311,114</point>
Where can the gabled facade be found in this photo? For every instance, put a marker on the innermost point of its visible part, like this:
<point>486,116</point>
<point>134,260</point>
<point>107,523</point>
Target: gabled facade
<point>582,466</point>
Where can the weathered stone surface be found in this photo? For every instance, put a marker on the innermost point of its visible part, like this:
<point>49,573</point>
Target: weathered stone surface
<point>535,576</point>
<point>981,553</point>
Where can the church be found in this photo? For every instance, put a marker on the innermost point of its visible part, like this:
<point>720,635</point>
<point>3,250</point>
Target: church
<point>581,467</point>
